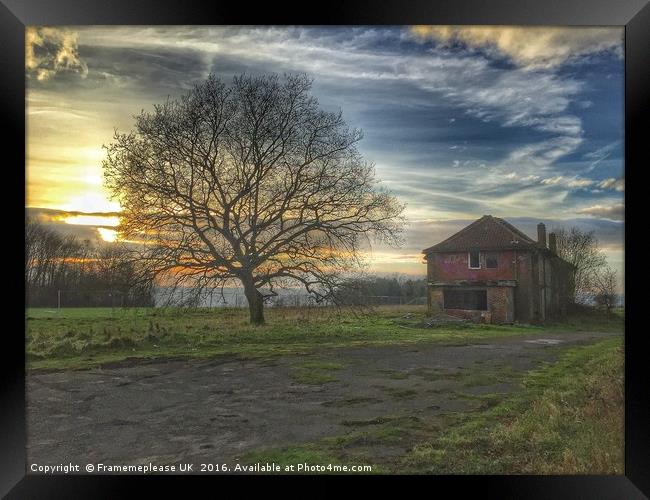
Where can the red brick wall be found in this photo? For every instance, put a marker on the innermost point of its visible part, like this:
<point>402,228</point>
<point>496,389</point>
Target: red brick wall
<point>454,266</point>
<point>498,304</point>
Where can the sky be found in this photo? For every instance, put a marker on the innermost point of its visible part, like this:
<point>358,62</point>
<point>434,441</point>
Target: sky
<point>523,123</point>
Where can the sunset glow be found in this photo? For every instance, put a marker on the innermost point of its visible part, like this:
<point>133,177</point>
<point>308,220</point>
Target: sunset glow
<point>521,123</point>
<point>108,235</point>
<point>92,220</point>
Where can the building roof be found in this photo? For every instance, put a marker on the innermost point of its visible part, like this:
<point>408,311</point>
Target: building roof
<point>486,233</point>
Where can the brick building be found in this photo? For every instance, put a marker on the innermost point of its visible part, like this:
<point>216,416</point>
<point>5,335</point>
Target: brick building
<point>491,271</point>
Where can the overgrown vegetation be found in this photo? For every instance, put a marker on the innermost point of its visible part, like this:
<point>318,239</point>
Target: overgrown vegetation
<point>79,338</point>
<point>569,420</point>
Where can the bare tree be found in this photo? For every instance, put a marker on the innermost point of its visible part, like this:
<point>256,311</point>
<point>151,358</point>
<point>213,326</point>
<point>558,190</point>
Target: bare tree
<point>604,288</point>
<point>48,255</point>
<point>54,262</point>
<point>581,249</point>
<point>251,183</point>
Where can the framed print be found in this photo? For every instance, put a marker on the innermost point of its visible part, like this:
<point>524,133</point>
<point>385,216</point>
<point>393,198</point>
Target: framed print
<point>384,241</point>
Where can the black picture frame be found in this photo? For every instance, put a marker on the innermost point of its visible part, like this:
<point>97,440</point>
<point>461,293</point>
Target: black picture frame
<point>634,15</point>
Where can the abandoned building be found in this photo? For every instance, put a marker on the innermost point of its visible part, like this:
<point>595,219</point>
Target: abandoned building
<point>490,271</point>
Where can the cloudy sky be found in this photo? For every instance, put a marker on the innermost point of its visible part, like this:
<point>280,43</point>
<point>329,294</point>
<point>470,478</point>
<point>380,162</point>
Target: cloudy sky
<point>521,123</point>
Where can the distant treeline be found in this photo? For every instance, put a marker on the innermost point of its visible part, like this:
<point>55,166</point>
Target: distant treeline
<point>396,290</point>
<point>80,273</point>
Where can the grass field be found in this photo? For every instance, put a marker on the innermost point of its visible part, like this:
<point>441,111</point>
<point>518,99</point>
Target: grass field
<point>568,420</point>
<point>566,417</point>
<point>84,337</point>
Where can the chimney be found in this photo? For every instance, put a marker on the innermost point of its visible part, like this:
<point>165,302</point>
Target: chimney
<point>541,234</point>
<point>552,242</point>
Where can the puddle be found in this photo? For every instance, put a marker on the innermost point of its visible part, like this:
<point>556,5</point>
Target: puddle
<point>545,341</point>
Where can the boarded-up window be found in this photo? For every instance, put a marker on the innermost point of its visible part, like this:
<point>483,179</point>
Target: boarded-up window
<point>491,260</point>
<point>474,300</point>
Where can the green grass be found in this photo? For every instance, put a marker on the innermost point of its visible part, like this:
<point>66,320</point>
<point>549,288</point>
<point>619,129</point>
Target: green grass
<point>591,320</point>
<point>82,338</point>
<point>97,313</point>
<point>315,372</point>
<point>568,420</point>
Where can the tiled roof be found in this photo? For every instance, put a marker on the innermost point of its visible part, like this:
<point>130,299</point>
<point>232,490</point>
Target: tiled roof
<point>486,233</point>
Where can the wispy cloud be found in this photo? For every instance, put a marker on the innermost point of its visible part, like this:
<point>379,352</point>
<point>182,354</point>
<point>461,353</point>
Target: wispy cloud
<point>601,154</point>
<point>569,182</point>
<point>611,183</point>
<point>530,47</point>
<point>577,182</point>
<point>613,212</point>
<point>371,67</point>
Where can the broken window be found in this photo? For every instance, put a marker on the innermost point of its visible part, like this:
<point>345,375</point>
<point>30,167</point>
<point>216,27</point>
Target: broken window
<point>491,260</point>
<point>474,300</point>
<point>474,261</point>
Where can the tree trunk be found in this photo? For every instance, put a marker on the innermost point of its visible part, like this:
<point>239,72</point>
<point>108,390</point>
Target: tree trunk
<point>255,302</point>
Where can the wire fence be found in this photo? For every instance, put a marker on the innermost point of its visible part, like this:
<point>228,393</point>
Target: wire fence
<point>60,298</point>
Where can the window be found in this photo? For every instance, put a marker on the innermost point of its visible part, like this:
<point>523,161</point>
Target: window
<point>474,300</point>
<point>474,261</point>
<point>491,260</point>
